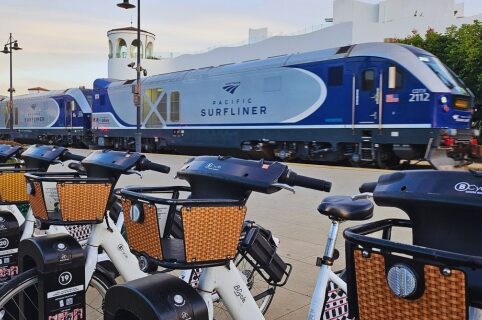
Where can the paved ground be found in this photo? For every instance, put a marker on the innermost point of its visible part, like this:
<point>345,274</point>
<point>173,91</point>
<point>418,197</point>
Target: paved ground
<point>294,219</point>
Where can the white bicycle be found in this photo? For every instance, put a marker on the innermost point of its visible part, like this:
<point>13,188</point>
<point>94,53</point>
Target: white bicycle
<point>102,240</point>
<point>212,220</point>
<point>67,208</point>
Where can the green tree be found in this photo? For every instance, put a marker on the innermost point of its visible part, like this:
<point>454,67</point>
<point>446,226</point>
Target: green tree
<point>460,48</point>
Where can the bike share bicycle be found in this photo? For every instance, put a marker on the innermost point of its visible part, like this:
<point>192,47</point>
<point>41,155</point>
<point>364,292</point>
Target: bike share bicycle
<point>86,206</point>
<point>212,220</point>
<point>436,276</point>
<point>78,199</point>
<point>13,194</point>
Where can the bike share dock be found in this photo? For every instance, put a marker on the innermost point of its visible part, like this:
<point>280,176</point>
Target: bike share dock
<point>292,218</point>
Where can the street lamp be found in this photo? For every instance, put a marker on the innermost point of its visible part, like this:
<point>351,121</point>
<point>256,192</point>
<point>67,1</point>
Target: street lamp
<point>137,88</point>
<point>8,48</point>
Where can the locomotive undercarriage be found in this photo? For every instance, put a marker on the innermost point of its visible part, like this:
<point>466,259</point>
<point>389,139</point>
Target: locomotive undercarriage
<point>66,137</point>
<point>356,154</point>
<point>384,148</point>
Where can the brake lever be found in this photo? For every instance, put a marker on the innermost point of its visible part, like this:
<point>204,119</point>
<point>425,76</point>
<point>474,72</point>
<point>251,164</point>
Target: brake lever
<point>364,195</point>
<point>284,186</point>
<point>132,171</point>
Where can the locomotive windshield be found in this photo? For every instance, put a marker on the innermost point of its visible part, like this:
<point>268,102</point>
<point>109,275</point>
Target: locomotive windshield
<point>445,74</point>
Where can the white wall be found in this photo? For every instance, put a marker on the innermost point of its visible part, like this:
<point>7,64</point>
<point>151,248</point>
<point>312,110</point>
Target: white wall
<point>393,10</point>
<point>257,35</point>
<point>352,10</point>
<point>339,35</point>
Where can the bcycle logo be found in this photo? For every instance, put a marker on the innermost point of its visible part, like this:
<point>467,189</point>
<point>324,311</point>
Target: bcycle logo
<point>468,188</point>
<point>4,243</point>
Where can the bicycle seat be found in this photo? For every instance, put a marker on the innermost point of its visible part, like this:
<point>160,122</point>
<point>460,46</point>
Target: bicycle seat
<point>342,208</point>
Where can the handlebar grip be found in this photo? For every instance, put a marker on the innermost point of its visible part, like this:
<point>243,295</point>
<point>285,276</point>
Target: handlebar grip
<point>368,187</point>
<point>70,156</point>
<point>149,165</point>
<point>295,179</point>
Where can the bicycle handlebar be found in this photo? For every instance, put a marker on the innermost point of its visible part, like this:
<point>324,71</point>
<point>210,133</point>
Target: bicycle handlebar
<point>294,179</point>
<point>145,164</point>
<point>70,156</point>
<point>368,187</point>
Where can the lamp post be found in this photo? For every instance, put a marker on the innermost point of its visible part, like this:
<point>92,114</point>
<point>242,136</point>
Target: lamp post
<point>137,88</point>
<point>11,45</point>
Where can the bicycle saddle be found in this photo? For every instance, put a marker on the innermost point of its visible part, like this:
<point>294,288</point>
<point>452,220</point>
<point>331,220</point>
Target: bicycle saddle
<point>342,208</point>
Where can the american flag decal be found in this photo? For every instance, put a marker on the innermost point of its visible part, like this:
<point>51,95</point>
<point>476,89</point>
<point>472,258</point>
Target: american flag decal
<point>392,98</point>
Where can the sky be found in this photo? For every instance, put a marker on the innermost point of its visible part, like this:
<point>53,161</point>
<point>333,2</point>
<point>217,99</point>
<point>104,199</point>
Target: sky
<point>65,41</point>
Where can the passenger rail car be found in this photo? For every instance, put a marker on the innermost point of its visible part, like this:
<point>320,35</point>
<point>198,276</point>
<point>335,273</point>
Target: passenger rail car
<point>60,116</point>
<point>374,102</point>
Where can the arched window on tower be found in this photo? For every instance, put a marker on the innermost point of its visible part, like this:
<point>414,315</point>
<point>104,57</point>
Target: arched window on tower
<point>134,49</point>
<point>111,53</point>
<point>121,51</point>
<point>149,49</point>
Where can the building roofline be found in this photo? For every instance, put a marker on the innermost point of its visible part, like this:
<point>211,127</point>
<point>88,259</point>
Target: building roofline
<point>130,29</point>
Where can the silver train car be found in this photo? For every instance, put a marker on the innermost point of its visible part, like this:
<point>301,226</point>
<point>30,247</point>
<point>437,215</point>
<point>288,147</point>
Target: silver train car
<point>60,117</point>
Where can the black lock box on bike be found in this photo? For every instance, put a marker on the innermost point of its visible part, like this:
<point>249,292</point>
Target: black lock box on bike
<point>59,259</point>
<point>9,240</point>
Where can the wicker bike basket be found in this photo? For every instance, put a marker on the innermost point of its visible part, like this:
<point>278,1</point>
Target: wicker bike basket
<point>13,189</point>
<point>68,198</point>
<point>210,228</point>
<point>391,280</point>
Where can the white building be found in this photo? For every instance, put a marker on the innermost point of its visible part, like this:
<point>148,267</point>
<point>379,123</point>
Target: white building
<point>123,51</point>
<point>354,21</point>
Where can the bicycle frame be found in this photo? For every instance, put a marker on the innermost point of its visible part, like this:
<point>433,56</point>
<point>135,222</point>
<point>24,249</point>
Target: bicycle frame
<point>229,284</point>
<point>325,275</point>
<point>110,240</point>
<point>226,281</point>
<point>116,248</point>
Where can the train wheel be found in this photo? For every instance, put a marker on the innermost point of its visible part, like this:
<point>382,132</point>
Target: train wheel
<point>386,159</point>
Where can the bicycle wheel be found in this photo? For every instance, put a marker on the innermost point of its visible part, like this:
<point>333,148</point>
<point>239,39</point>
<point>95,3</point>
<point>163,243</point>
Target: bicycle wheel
<point>262,291</point>
<point>27,283</point>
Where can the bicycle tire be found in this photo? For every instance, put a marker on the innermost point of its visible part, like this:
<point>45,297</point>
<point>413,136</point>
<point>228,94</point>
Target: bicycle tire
<point>26,282</point>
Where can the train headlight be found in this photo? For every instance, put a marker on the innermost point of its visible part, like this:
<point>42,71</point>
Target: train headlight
<point>402,280</point>
<point>461,103</point>
<point>444,100</point>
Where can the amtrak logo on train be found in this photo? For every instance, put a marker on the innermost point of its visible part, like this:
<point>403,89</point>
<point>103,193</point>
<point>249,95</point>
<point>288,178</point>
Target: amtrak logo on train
<point>231,87</point>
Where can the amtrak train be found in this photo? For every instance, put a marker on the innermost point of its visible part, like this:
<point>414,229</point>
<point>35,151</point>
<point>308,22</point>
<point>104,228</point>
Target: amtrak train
<point>366,103</point>
<point>60,116</point>
<point>373,102</point>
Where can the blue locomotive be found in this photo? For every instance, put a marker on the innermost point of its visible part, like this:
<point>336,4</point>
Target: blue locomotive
<point>60,116</point>
<point>373,102</point>
<point>366,103</point>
